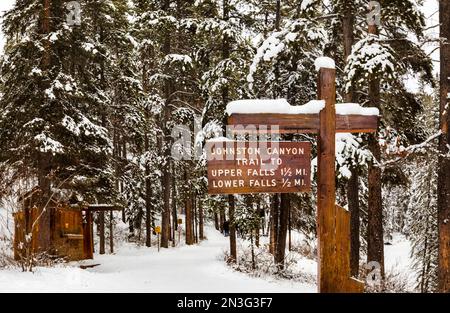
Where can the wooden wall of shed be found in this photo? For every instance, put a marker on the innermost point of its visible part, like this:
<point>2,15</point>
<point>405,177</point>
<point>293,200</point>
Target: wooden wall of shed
<point>19,234</point>
<point>25,223</point>
<point>69,234</point>
<point>61,233</point>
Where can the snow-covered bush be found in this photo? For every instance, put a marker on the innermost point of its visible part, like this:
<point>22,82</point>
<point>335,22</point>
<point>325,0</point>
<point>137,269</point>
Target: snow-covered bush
<point>266,267</point>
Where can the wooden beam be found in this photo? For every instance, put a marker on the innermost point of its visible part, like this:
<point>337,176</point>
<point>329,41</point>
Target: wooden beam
<point>300,123</point>
<point>326,184</point>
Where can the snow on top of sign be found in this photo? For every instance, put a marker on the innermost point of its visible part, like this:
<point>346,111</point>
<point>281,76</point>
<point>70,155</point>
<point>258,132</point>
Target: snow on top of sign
<point>355,109</point>
<point>280,106</point>
<point>324,62</point>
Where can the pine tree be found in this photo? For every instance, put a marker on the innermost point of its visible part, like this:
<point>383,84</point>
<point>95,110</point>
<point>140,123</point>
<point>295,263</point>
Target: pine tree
<point>55,130</point>
<point>381,57</point>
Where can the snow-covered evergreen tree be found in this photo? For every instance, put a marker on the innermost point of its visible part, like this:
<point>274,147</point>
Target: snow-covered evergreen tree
<point>55,129</point>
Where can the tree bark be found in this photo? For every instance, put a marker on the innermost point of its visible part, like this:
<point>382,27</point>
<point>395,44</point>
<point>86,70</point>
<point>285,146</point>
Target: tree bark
<point>101,229</point>
<point>282,231</point>
<point>166,173</point>
<point>274,210</point>
<point>194,206</point>
<point>278,15</point>
<point>233,249</point>
<point>258,227</point>
<point>148,197</point>
<point>353,205</point>
<point>348,21</point>
<point>174,207</point>
<point>375,242</point>
<point>111,232</point>
<point>222,218</point>
<point>216,221</point>
<point>148,209</point>
<point>444,159</point>
<point>290,228</point>
<point>200,221</point>
<point>189,214</point>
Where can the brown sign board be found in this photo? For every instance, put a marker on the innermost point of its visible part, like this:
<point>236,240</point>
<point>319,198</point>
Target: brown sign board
<point>245,167</point>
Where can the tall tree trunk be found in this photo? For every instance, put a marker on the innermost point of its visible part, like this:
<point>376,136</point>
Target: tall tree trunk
<point>111,232</point>
<point>166,173</point>
<point>174,207</point>
<point>200,221</point>
<point>348,21</point>
<point>148,184</point>
<point>278,15</point>
<point>222,218</point>
<point>258,227</point>
<point>444,158</point>
<point>233,247</point>
<point>44,238</point>
<point>148,200</point>
<point>44,158</point>
<point>194,206</point>
<point>101,229</point>
<point>375,243</point>
<point>216,221</point>
<point>189,214</point>
<point>353,205</point>
<point>274,210</point>
<point>282,231</point>
<point>290,228</point>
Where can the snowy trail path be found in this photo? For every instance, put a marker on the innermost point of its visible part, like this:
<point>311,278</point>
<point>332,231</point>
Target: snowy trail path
<point>185,269</point>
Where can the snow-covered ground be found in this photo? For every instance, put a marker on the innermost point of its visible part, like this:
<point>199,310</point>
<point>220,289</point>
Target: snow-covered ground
<point>398,260</point>
<point>185,269</point>
<point>138,269</point>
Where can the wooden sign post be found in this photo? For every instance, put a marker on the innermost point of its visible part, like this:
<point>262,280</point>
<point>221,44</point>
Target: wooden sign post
<point>333,222</point>
<point>158,232</point>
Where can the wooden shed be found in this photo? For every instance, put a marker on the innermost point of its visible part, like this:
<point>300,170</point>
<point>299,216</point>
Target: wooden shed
<point>63,231</point>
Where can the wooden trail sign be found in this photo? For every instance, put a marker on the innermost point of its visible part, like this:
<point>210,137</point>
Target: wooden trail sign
<point>237,167</point>
<point>333,222</point>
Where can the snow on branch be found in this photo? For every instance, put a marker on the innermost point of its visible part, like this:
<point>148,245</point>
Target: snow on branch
<point>301,31</point>
<point>47,144</point>
<point>411,150</point>
<point>370,57</point>
<point>181,59</point>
